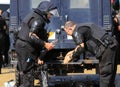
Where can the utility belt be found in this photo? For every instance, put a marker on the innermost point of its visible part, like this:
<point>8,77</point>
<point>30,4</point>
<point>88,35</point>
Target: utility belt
<point>105,42</point>
<point>30,44</point>
<point>23,40</point>
<point>108,41</point>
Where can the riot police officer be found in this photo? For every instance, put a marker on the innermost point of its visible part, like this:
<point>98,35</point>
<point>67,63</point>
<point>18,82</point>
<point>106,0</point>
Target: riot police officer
<point>5,16</point>
<point>31,39</point>
<point>116,32</point>
<point>89,37</point>
<point>116,25</point>
<point>2,38</point>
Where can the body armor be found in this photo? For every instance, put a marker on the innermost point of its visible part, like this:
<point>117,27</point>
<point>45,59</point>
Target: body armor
<point>35,23</point>
<point>96,40</point>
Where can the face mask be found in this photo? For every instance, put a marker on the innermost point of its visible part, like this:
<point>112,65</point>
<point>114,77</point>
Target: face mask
<point>54,12</point>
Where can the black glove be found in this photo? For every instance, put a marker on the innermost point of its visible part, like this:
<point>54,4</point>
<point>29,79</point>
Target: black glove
<point>43,53</point>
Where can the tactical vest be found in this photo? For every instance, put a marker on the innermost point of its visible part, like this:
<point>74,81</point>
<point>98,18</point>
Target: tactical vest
<point>24,32</point>
<point>26,25</point>
<point>97,32</point>
<point>99,40</point>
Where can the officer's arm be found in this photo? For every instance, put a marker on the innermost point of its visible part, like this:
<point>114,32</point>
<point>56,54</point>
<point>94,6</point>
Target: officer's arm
<point>78,51</point>
<point>4,27</point>
<point>74,54</point>
<point>116,22</point>
<point>78,38</point>
<point>35,26</point>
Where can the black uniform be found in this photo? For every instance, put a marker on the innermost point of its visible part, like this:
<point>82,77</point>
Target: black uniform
<point>116,33</point>
<point>28,47</point>
<point>5,16</point>
<point>100,44</point>
<point>2,39</point>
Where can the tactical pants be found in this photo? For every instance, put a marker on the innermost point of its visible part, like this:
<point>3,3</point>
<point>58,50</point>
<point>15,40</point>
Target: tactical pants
<point>44,75</point>
<point>25,68</point>
<point>108,66</point>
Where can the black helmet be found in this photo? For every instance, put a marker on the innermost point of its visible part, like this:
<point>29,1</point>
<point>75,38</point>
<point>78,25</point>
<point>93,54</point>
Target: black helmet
<point>47,6</point>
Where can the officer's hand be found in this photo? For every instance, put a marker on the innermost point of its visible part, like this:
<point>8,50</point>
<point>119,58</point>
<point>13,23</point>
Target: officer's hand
<point>4,27</point>
<point>119,28</point>
<point>49,46</point>
<point>76,48</point>
<point>40,61</point>
<point>68,57</point>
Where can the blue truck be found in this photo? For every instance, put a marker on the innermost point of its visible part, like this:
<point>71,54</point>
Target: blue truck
<point>80,11</point>
<point>4,5</point>
<point>96,11</point>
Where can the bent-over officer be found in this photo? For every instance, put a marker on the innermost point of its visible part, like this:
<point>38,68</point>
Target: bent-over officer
<point>90,37</point>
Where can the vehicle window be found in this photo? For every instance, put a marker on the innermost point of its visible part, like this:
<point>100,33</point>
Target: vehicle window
<point>82,4</point>
<point>35,3</point>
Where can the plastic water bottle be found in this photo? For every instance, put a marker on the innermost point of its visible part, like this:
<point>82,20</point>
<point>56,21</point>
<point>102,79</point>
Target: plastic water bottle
<point>8,85</point>
<point>54,42</point>
<point>44,50</point>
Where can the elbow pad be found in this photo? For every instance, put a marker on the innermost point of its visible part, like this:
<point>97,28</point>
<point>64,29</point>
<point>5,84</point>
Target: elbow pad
<point>36,25</point>
<point>36,41</point>
<point>77,53</point>
<point>78,38</point>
